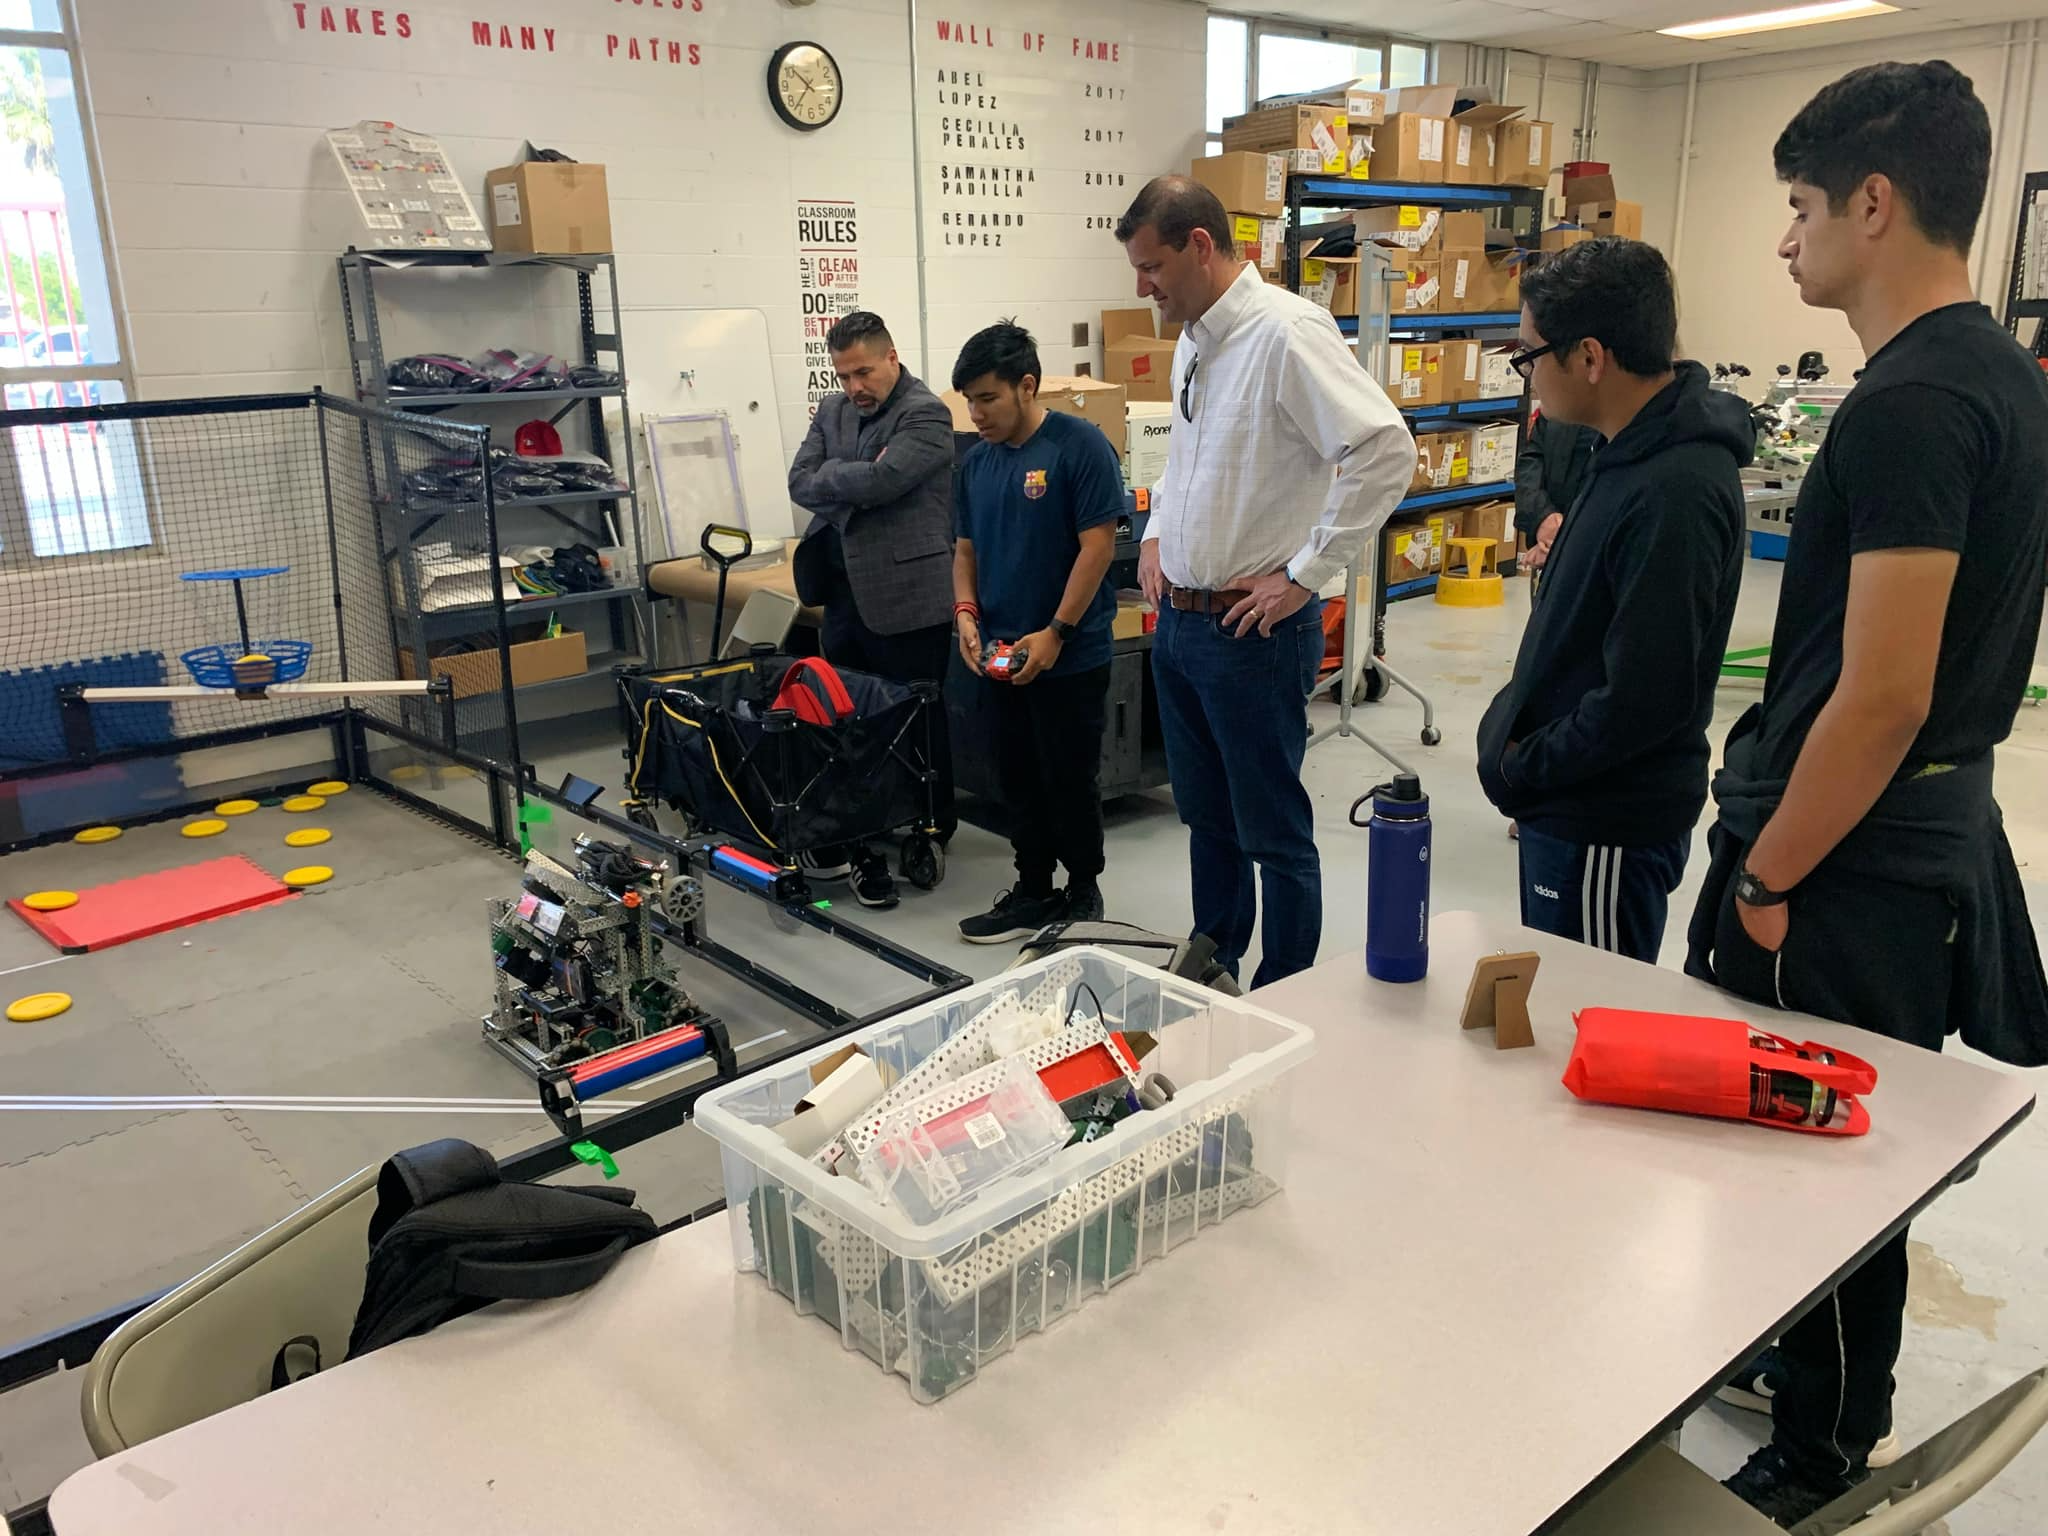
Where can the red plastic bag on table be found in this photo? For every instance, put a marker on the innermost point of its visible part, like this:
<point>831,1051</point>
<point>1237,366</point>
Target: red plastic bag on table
<point>1719,1067</point>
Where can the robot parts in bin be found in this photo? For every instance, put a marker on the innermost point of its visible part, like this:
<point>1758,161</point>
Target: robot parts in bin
<point>580,968</point>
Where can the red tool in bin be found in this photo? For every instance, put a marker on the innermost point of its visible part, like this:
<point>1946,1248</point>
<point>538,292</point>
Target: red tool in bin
<point>1720,1067</point>
<point>1090,1070</point>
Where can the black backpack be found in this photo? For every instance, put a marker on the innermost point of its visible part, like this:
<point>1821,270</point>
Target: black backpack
<point>450,1236</point>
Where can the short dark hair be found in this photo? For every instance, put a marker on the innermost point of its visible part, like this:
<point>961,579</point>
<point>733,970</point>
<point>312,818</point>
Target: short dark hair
<point>1615,292</point>
<point>1004,349</point>
<point>1176,207</point>
<point>1920,125</point>
<point>862,325</point>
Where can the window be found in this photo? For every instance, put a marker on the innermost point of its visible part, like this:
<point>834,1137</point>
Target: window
<point>1229,45</point>
<point>1288,64</point>
<point>1250,61</point>
<point>64,490</point>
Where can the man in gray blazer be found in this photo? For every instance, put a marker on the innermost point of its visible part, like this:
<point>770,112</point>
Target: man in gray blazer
<point>876,473</point>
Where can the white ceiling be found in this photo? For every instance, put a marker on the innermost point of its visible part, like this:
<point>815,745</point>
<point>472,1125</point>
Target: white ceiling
<point>1625,31</point>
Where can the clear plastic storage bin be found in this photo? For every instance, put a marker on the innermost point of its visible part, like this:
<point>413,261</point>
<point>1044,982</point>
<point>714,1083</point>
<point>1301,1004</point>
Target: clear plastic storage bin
<point>939,1299</point>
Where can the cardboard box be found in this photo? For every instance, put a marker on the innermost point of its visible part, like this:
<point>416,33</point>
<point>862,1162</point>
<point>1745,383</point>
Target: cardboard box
<point>1258,240</point>
<point>550,208</point>
<point>1461,371</point>
<point>1416,227</point>
<point>1560,236</point>
<point>1293,128</point>
<point>1413,548</point>
<point>1409,146</point>
<point>1465,281</point>
<point>1617,217</point>
<point>1435,100</point>
<point>1245,182</point>
<point>1493,520</point>
<point>1442,460</point>
<point>842,1085</point>
<point>1136,356</point>
<point>1498,381</point>
<point>1492,451</point>
<point>1415,373</point>
<point>1131,612</point>
<point>1090,399</point>
<point>1331,281</point>
<point>531,661</point>
<point>1422,290</point>
<point>1588,187</point>
<point>1521,152</point>
<point>1363,105</point>
<point>1471,160</point>
<point>1148,429</point>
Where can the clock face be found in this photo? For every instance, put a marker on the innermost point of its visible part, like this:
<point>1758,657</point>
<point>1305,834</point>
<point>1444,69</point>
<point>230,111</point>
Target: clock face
<point>804,84</point>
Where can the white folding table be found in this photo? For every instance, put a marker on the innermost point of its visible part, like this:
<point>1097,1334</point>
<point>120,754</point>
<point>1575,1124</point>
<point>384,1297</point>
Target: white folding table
<point>1399,1343</point>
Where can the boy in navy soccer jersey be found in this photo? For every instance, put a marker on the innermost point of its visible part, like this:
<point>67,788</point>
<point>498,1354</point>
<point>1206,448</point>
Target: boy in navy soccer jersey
<point>1035,510</point>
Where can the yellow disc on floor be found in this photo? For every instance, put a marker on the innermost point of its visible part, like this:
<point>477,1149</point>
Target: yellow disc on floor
<point>408,771</point>
<point>203,828</point>
<point>307,837</point>
<point>38,1005</point>
<point>304,803</point>
<point>307,874</point>
<point>49,901</point>
<point>329,787</point>
<point>96,835</point>
<point>234,808</point>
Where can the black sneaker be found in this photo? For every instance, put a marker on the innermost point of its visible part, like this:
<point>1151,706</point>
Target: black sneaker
<point>1771,1486</point>
<point>1014,916</point>
<point>1756,1385</point>
<point>1084,903</point>
<point>872,886</point>
<point>825,864</point>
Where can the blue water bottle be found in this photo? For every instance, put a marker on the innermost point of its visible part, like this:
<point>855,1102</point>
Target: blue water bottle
<point>1397,879</point>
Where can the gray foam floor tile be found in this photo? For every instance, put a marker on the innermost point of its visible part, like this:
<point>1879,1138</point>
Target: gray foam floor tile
<point>123,1060</point>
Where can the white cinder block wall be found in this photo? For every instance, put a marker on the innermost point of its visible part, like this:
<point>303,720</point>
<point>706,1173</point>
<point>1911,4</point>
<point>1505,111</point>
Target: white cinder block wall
<point>228,212</point>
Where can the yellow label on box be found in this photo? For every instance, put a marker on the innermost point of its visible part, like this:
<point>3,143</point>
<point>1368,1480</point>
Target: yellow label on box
<point>1245,230</point>
<point>1411,359</point>
<point>1311,271</point>
<point>1410,216</point>
<point>1432,366</point>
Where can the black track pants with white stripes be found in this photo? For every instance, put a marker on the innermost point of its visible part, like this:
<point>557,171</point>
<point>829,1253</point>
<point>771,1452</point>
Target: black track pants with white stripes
<point>1611,898</point>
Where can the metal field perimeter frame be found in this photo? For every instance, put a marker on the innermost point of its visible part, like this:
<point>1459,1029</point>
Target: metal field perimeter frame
<point>938,1301</point>
<point>619,616</point>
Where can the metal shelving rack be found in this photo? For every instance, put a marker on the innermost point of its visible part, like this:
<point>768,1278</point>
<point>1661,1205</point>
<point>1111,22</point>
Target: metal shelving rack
<point>598,518</point>
<point>2032,210</point>
<point>1336,193</point>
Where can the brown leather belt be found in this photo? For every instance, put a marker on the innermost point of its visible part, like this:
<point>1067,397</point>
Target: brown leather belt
<point>1192,600</point>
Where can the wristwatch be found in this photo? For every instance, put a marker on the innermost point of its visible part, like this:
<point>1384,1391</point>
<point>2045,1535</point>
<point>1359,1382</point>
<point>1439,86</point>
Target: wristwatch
<point>1063,629</point>
<point>1752,892</point>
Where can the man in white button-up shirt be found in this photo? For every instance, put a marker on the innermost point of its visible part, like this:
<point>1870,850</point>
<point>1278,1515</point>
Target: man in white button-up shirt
<point>1285,459</point>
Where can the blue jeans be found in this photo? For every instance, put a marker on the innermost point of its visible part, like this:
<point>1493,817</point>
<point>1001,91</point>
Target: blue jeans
<point>1235,716</point>
<point>1607,897</point>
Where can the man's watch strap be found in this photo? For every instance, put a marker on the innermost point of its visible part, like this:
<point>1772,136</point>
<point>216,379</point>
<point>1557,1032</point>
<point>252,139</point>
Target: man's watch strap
<point>1063,629</point>
<point>1752,892</point>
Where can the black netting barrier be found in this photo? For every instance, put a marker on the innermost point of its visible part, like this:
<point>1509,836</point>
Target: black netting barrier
<point>108,516</point>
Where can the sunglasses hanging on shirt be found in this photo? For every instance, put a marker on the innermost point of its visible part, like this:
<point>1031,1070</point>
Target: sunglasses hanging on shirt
<point>1187,390</point>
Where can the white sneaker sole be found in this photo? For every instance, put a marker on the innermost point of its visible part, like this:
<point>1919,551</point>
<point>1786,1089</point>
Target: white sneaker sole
<point>1007,936</point>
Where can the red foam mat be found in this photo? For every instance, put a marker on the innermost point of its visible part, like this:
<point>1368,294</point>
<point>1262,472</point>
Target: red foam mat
<point>107,915</point>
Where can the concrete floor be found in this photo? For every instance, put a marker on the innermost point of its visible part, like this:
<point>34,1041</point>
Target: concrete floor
<point>372,986</point>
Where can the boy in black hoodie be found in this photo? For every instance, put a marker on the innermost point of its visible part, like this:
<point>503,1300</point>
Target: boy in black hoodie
<point>1598,744</point>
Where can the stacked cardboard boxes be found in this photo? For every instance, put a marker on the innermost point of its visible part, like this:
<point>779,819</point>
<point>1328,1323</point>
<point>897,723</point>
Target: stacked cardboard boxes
<point>1594,206</point>
<point>1428,138</point>
<point>1314,140</point>
<point>1359,109</point>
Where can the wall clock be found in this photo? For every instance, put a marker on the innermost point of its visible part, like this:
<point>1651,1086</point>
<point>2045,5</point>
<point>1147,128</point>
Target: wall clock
<point>804,86</point>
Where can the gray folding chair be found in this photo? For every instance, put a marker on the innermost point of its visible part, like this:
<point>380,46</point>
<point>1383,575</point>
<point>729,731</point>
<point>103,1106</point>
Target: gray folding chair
<point>210,1343</point>
<point>1664,1493</point>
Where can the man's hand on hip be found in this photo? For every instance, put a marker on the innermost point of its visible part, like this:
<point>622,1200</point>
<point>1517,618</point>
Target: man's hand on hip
<point>1268,600</point>
<point>1151,581</point>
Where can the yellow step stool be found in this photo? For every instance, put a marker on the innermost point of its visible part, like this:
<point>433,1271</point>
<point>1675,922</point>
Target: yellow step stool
<point>1478,585</point>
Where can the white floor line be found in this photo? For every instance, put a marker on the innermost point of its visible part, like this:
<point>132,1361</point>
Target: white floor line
<point>12,970</point>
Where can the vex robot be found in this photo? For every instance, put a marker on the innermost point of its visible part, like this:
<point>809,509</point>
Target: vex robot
<point>586,999</point>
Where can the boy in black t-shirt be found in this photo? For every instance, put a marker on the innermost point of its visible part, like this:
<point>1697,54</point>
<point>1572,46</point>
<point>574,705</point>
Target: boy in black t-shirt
<point>1035,509</point>
<point>1859,869</point>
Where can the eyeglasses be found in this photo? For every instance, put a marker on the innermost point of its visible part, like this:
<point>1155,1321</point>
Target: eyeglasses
<point>1187,388</point>
<point>1524,362</point>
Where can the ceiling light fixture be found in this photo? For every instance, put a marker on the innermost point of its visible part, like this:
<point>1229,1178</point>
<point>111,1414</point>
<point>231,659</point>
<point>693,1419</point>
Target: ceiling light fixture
<point>1779,20</point>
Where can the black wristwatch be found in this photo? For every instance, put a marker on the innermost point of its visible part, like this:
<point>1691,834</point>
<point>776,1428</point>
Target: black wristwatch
<point>1752,892</point>
<point>1063,629</point>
